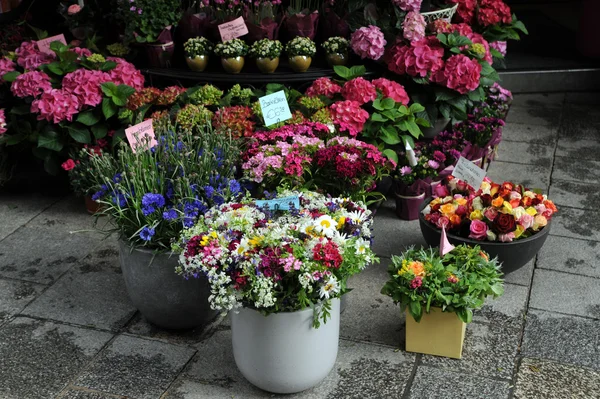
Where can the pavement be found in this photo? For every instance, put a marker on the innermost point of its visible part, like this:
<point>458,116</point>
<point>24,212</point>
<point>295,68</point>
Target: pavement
<point>68,329</point>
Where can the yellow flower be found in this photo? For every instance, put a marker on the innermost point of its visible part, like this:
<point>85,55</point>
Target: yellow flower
<point>507,208</point>
<point>531,210</point>
<point>341,222</point>
<point>519,231</point>
<point>461,201</point>
<point>255,241</point>
<point>476,215</point>
<point>447,209</point>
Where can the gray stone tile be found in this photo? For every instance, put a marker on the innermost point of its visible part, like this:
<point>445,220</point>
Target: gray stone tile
<point>16,210</point>
<point>570,255</point>
<point>433,383</point>
<point>141,327</point>
<point>544,379</point>
<point>509,309</point>
<point>545,135</point>
<point>575,194</point>
<point>579,170</point>
<point>588,98</point>
<point>40,358</point>
<point>391,235</point>
<point>15,295</point>
<point>136,367</point>
<point>538,100</point>
<point>526,153</point>
<point>580,122</point>
<point>68,214</point>
<point>88,394</point>
<point>92,293</point>
<point>489,350</point>
<point>533,116</point>
<point>565,293</point>
<point>566,339</point>
<point>531,176</point>
<point>578,149</point>
<point>576,223</point>
<point>521,276</point>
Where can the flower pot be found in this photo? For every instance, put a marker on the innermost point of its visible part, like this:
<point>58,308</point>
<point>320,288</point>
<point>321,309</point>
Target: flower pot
<point>407,207</point>
<point>439,125</point>
<point>159,55</point>
<point>336,59</point>
<point>198,63</point>
<point>300,63</point>
<point>92,206</point>
<point>267,65</point>
<point>162,297</point>
<point>438,333</point>
<point>232,65</point>
<point>512,255</point>
<point>304,25</point>
<point>282,352</point>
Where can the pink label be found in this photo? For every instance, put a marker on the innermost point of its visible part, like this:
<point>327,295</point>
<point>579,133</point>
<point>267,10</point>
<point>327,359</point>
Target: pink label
<point>233,29</point>
<point>141,136</point>
<point>44,44</point>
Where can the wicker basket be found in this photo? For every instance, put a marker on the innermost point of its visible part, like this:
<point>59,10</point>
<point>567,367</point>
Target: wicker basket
<point>445,13</point>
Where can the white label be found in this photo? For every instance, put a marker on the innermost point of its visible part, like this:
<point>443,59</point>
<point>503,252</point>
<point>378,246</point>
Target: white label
<point>141,136</point>
<point>468,172</point>
<point>275,108</point>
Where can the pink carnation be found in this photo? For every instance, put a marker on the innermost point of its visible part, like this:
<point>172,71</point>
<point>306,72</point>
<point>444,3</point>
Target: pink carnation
<point>56,106</point>
<point>30,57</point>
<point>499,46</point>
<point>81,52</point>
<point>408,5</point>
<point>2,122</point>
<point>462,73</point>
<point>126,73</point>
<point>85,85</point>
<point>323,87</point>
<point>368,42</point>
<point>6,66</point>
<point>417,59</point>
<point>391,89</point>
<point>31,84</point>
<point>414,26</point>
<point>360,90</point>
<point>349,116</point>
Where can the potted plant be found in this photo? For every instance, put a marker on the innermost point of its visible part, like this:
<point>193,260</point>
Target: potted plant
<point>413,184</point>
<point>197,51</point>
<point>336,50</point>
<point>151,195</point>
<point>334,18</point>
<point>280,267</point>
<point>302,18</point>
<point>261,20</point>
<point>266,53</point>
<point>232,54</point>
<point>439,294</point>
<point>300,51</point>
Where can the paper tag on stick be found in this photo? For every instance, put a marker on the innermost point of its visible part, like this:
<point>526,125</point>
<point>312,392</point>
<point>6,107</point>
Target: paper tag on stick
<point>141,136</point>
<point>233,29</point>
<point>468,172</point>
<point>275,108</point>
<point>410,155</point>
<point>44,44</point>
<point>280,204</point>
<point>445,245</point>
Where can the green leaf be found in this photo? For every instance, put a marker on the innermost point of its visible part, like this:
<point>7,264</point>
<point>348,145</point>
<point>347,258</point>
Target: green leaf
<point>496,54</point>
<point>406,139</point>
<point>124,91</point>
<point>442,38</point>
<point>377,117</point>
<point>58,46</point>
<point>519,25</point>
<point>389,135</point>
<point>100,131</point>
<point>444,95</point>
<point>51,140</point>
<point>109,89</point>
<point>416,107</point>
<point>79,133</point>
<point>108,66</point>
<point>40,34</point>
<point>108,108</point>
<point>390,154</point>
<point>486,68</point>
<point>342,71</point>
<point>88,118</point>
<point>416,310</point>
<point>423,122</point>
<point>414,129</point>
<point>358,70</point>
<point>455,50</point>
<point>10,76</point>
<point>498,289</point>
<point>388,103</point>
<point>24,109</point>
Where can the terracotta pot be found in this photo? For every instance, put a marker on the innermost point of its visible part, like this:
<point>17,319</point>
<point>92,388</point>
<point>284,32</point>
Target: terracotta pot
<point>92,206</point>
<point>233,65</point>
<point>336,59</point>
<point>300,63</point>
<point>198,63</point>
<point>267,65</point>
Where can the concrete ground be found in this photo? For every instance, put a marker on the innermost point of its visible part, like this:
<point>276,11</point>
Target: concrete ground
<point>68,330</point>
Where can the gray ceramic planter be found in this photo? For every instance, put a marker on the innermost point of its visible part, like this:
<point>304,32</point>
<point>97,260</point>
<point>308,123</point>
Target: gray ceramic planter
<point>163,297</point>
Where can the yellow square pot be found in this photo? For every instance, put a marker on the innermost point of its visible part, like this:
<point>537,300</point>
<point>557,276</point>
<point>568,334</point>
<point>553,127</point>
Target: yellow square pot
<point>438,333</point>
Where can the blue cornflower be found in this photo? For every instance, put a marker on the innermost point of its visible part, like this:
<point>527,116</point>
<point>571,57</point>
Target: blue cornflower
<point>188,222</point>
<point>194,188</point>
<point>179,146</point>
<point>332,206</point>
<point>170,192</point>
<point>147,233</point>
<point>170,214</point>
<point>150,202</point>
<point>100,193</point>
<point>234,187</point>
<point>209,191</point>
<point>119,198</point>
<point>117,178</point>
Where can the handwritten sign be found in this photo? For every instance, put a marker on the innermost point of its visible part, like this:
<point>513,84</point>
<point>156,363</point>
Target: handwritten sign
<point>232,29</point>
<point>141,136</point>
<point>468,172</point>
<point>275,108</point>
<point>280,204</point>
<point>44,44</point>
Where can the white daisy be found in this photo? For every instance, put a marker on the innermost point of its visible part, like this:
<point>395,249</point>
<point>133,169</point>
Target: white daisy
<point>331,287</point>
<point>325,225</point>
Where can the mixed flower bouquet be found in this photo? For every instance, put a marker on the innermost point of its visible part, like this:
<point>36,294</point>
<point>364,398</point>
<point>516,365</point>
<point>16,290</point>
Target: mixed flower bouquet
<point>198,46</point>
<point>231,49</point>
<point>279,260</point>
<point>336,45</point>
<point>300,46</point>
<point>498,100</point>
<point>495,212</point>
<point>266,48</point>
<point>458,282</point>
<point>482,130</point>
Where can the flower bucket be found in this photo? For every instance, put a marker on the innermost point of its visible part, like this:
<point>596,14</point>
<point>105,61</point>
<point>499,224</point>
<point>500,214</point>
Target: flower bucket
<point>282,352</point>
<point>407,207</point>
<point>267,29</point>
<point>233,64</point>
<point>304,25</point>
<point>438,333</point>
<point>91,206</point>
<point>439,125</point>
<point>300,63</point>
<point>159,55</point>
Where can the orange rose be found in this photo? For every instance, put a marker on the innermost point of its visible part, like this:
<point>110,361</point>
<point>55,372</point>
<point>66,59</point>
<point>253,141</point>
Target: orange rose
<point>461,201</point>
<point>447,209</point>
<point>498,202</point>
<point>515,203</point>
<point>455,220</point>
<point>550,205</point>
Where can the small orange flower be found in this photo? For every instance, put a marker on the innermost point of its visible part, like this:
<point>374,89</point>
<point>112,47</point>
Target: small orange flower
<point>498,201</point>
<point>417,268</point>
<point>550,205</point>
<point>447,209</point>
<point>455,220</point>
<point>484,255</point>
<point>515,203</point>
<point>461,201</point>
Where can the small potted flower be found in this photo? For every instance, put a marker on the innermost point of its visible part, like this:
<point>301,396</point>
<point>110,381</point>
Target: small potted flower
<point>266,53</point>
<point>413,184</point>
<point>439,294</point>
<point>300,51</point>
<point>197,51</point>
<point>232,54</point>
<point>336,50</point>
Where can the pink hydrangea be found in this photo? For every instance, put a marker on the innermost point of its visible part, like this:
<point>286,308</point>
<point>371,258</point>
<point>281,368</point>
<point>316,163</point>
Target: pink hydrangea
<point>31,84</point>
<point>368,42</point>
<point>414,26</point>
<point>349,116</point>
<point>408,5</point>
<point>56,106</point>
<point>82,52</point>
<point>6,66</point>
<point>85,85</point>
<point>360,90</point>
<point>2,122</point>
<point>323,87</point>
<point>392,90</point>
<point>126,73</point>
<point>462,29</point>
<point>500,46</point>
<point>478,38</point>
<point>462,73</point>
<point>30,57</point>
<point>465,11</point>
<point>417,59</point>
<point>440,26</point>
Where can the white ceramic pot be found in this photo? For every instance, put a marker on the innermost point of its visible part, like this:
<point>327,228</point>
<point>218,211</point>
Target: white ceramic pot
<point>282,352</point>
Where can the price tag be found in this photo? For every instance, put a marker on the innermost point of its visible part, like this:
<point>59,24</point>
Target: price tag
<point>44,44</point>
<point>275,108</point>
<point>468,172</point>
<point>141,136</point>
<point>233,29</point>
<point>280,204</point>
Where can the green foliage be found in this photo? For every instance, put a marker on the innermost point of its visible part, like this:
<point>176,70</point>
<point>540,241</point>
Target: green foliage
<point>156,15</point>
<point>349,73</point>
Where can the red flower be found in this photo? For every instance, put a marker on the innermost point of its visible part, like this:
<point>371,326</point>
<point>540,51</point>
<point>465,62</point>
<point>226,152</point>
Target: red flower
<point>69,164</point>
<point>493,12</point>
<point>416,282</point>
<point>504,223</point>
<point>462,73</point>
<point>329,254</point>
<point>417,59</point>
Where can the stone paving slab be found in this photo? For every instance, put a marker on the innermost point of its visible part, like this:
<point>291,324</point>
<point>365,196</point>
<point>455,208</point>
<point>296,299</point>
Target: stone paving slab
<point>92,294</point>
<point>576,223</point>
<point>565,339</point>
<point>16,210</point>
<point>571,255</point>
<point>88,394</point>
<point>509,309</point>
<point>578,149</point>
<point>590,98</point>
<point>15,295</point>
<point>139,326</point>
<point>68,214</point>
<point>526,153</point>
<point>135,367</point>
<point>544,135</point>
<point>521,276</point>
<point>549,380</point>
<point>575,194</point>
<point>580,123</point>
<point>565,293</point>
<point>579,170</point>
<point>433,383</point>
<point>538,100</point>
<point>40,358</point>
<point>544,116</point>
<point>531,176</point>
<point>391,235</point>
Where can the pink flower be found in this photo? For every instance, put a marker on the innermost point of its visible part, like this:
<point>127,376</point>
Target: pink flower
<point>349,116</point>
<point>405,170</point>
<point>3,128</point>
<point>508,237</point>
<point>478,230</point>
<point>125,73</point>
<point>466,10</point>
<point>368,42</point>
<point>408,5</point>
<point>73,9</point>
<point>462,73</point>
<point>417,59</point>
<point>499,46</point>
<point>360,90</point>
<point>526,221</point>
<point>440,26</point>
<point>416,282</point>
<point>441,191</point>
<point>490,213</point>
<point>391,89</point>
<point>323,87</point>
<point>414,26</point>
<point>30,57</point>
<point>6,66</point>
<point>463,29</point>
<point>493,12</point>
<point>69,164</point>
<point>433,164</point>
<point>85,85</point>
<point>477,38</point>
<point>81,52</point>
<point>56,106</point>
<point>443,222</point>
<point>31,84</point>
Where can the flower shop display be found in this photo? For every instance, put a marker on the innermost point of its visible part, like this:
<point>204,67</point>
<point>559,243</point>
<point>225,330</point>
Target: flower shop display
<point>197,52</point>
<point>300,51</point>
<point>439,294</point>
<point>266,52</point>
<point>262,19</point>
<point>336,50</point>
<point>232,54</point>
<point>302,18</point>
<point>280,267</point>
<point>78,19</point>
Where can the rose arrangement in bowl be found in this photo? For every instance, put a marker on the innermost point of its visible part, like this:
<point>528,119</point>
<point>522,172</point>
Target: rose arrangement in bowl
<point>197,51</point>
<point>266,52</point>
<point>336,50</point>
<point>232,54</point>
<point>300,51</point>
